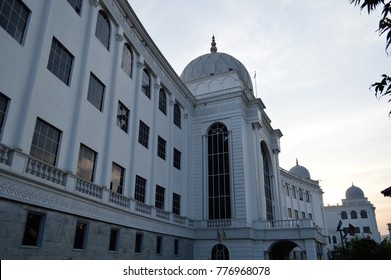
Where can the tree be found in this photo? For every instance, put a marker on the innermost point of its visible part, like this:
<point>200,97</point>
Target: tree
<point>383,87</point>
<point>363,248</point>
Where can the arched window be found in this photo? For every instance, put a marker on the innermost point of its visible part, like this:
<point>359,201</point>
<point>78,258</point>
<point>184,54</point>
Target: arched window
<point>344,215</point>
<point>300,194</point>
<point>286,190</point>
<point>307,196</point>
<point>102,31</point>
<point>364,214</point>
<point>163,101</point>
<point>353,215</point>
<point>268,186</point>
<point>219,252</point>
<point>146,83</point>
<point>177,115</point>
<point>127,59</point>
<point>293,191</point>
<point>219,186</point>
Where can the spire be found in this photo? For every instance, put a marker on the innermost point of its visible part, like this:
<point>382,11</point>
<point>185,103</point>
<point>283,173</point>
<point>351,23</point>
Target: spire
<point>297,162</point>
<point>213,48</point>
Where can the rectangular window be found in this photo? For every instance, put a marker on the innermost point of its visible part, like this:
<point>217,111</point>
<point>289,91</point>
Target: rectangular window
<point>303,215</point>
<point>114,234</point>
<point>76,5</point>
<point>176,204</point>
<point>176,247</point>
<point>289,213</point>
<point>123,117</point>
<point>296,214</point>
<point>161,147</point>
<point>117,178</point>
<point>96,92</point>
<point>86,163</point>
<point>159,197</point>
<point>60,62</point>
<point>143,134</point>
<point>46,141</point>
<point>4,100</point>
<point>14,16</point>
<point>310,216</point>
<point>138,243</point>
<point>177,159</point>
<point>139,191</point>
<point>33,230</point>
<point>367,230</point>
<point>159,243</point>
<point>80,236</point>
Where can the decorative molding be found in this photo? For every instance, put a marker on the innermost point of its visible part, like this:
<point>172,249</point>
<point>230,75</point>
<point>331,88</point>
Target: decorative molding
<point>119,37</point>
<point>140,65</point>
<point>94,3</point>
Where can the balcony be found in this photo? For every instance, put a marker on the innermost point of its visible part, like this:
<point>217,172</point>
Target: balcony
<point>15,163</point>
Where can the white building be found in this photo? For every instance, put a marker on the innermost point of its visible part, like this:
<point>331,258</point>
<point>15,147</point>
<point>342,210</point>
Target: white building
<point>356,212</point>
<point>106,153</point>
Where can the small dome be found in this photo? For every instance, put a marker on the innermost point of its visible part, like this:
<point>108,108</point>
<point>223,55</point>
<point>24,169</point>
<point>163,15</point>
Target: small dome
<point>300,171</point>
<point>354,193</point>
<point>215,63</point>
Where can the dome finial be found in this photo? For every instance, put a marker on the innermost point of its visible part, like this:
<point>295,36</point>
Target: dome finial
<point>213,48</point>
<point>297,162</point>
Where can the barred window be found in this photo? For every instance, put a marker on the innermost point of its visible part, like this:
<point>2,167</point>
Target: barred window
<point>127,59</point>
<point>177,115</point>
<point>123,117</point>
<point>143,134</point>
<point>146,83</point>
<point>161,147</point>
<point>60,61</point>
<point>177,159</point>
<point>139,191</point>
<point>159,197</point>
<point>13,18</point>
<point>96,91</point>
<point>163,101</point>
<point>102,31</point>
<point>46,140</point>
<point>176,204</point>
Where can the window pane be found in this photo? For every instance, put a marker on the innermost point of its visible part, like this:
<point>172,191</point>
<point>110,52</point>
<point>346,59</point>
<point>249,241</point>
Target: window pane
<point>60,61</point>
<point>13,18</point>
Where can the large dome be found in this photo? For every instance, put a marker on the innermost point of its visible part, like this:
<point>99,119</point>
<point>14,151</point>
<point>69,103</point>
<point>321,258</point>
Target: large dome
<point>300,171</point>
<point>214,63</point>
<point>354,193</point>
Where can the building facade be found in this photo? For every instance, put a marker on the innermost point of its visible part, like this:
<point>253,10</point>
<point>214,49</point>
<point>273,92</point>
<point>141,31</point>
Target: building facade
<point>354,217</point>
<point>106,153</point>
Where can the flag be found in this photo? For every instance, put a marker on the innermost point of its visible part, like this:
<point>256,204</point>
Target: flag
<point>218,235</point>
<point>223,235</point>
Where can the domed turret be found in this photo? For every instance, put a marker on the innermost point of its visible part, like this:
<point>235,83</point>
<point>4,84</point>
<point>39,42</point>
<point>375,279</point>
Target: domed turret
<point>300,171</point>
<point>354,193</point>
<point>215,63</point>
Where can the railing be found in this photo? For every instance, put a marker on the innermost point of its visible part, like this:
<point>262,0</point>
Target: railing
<point>17,162</point>
<point>88,188</point>
<point>219,223</point>
<point>119,199</point>
<point>45,171</point>
<point>289,223</point>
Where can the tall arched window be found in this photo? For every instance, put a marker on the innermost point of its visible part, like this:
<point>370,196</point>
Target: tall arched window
<point>146,83</point>
<point>268,186</point>
<point>364,214</point>
<point>177,115</point>
<point>163,101</point>
<point>353,215</point>
<point>219,186</point>
<point>220,252</point>
<point>127,59</point>
<point>102,31</point>
<point>344,215</point>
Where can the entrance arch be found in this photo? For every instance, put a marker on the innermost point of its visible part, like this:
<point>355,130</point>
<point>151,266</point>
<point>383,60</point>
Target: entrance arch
<point>219,252</point>
<point>286,250</point>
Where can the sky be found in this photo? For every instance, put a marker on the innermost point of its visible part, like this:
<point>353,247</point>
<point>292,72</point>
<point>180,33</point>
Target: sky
<point>314,63</point>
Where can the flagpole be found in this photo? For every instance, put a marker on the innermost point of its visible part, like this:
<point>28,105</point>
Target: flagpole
<point>255,81</point>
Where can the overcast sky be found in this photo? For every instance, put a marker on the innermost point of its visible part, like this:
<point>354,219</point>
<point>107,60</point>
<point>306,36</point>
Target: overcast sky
<point>315,62</point>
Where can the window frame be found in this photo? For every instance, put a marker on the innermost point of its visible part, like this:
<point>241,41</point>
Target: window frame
<point>143,134</point>
<point>160,194</point>
<point>59,56</point>
<point>177,116</point>
<point>123,117</point>
<point>146,82</point>
<point>140,189</point>
<point>41,152</point>
<point>177,159</point>
<point>127,59</point>
<point>19,34</point>
<point>121,182</point>
<point>4,103</point>
<point>85,149</point>
<point>77,7</point>
<point>81,236</point>
<point>163,101</point>
<point>104,36</point>
<point>161,147</point>
<point>38,228</point>
<point>96,92</point>
<point>114,240</point>
<point>138,243</point>
<point>176,204</point>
